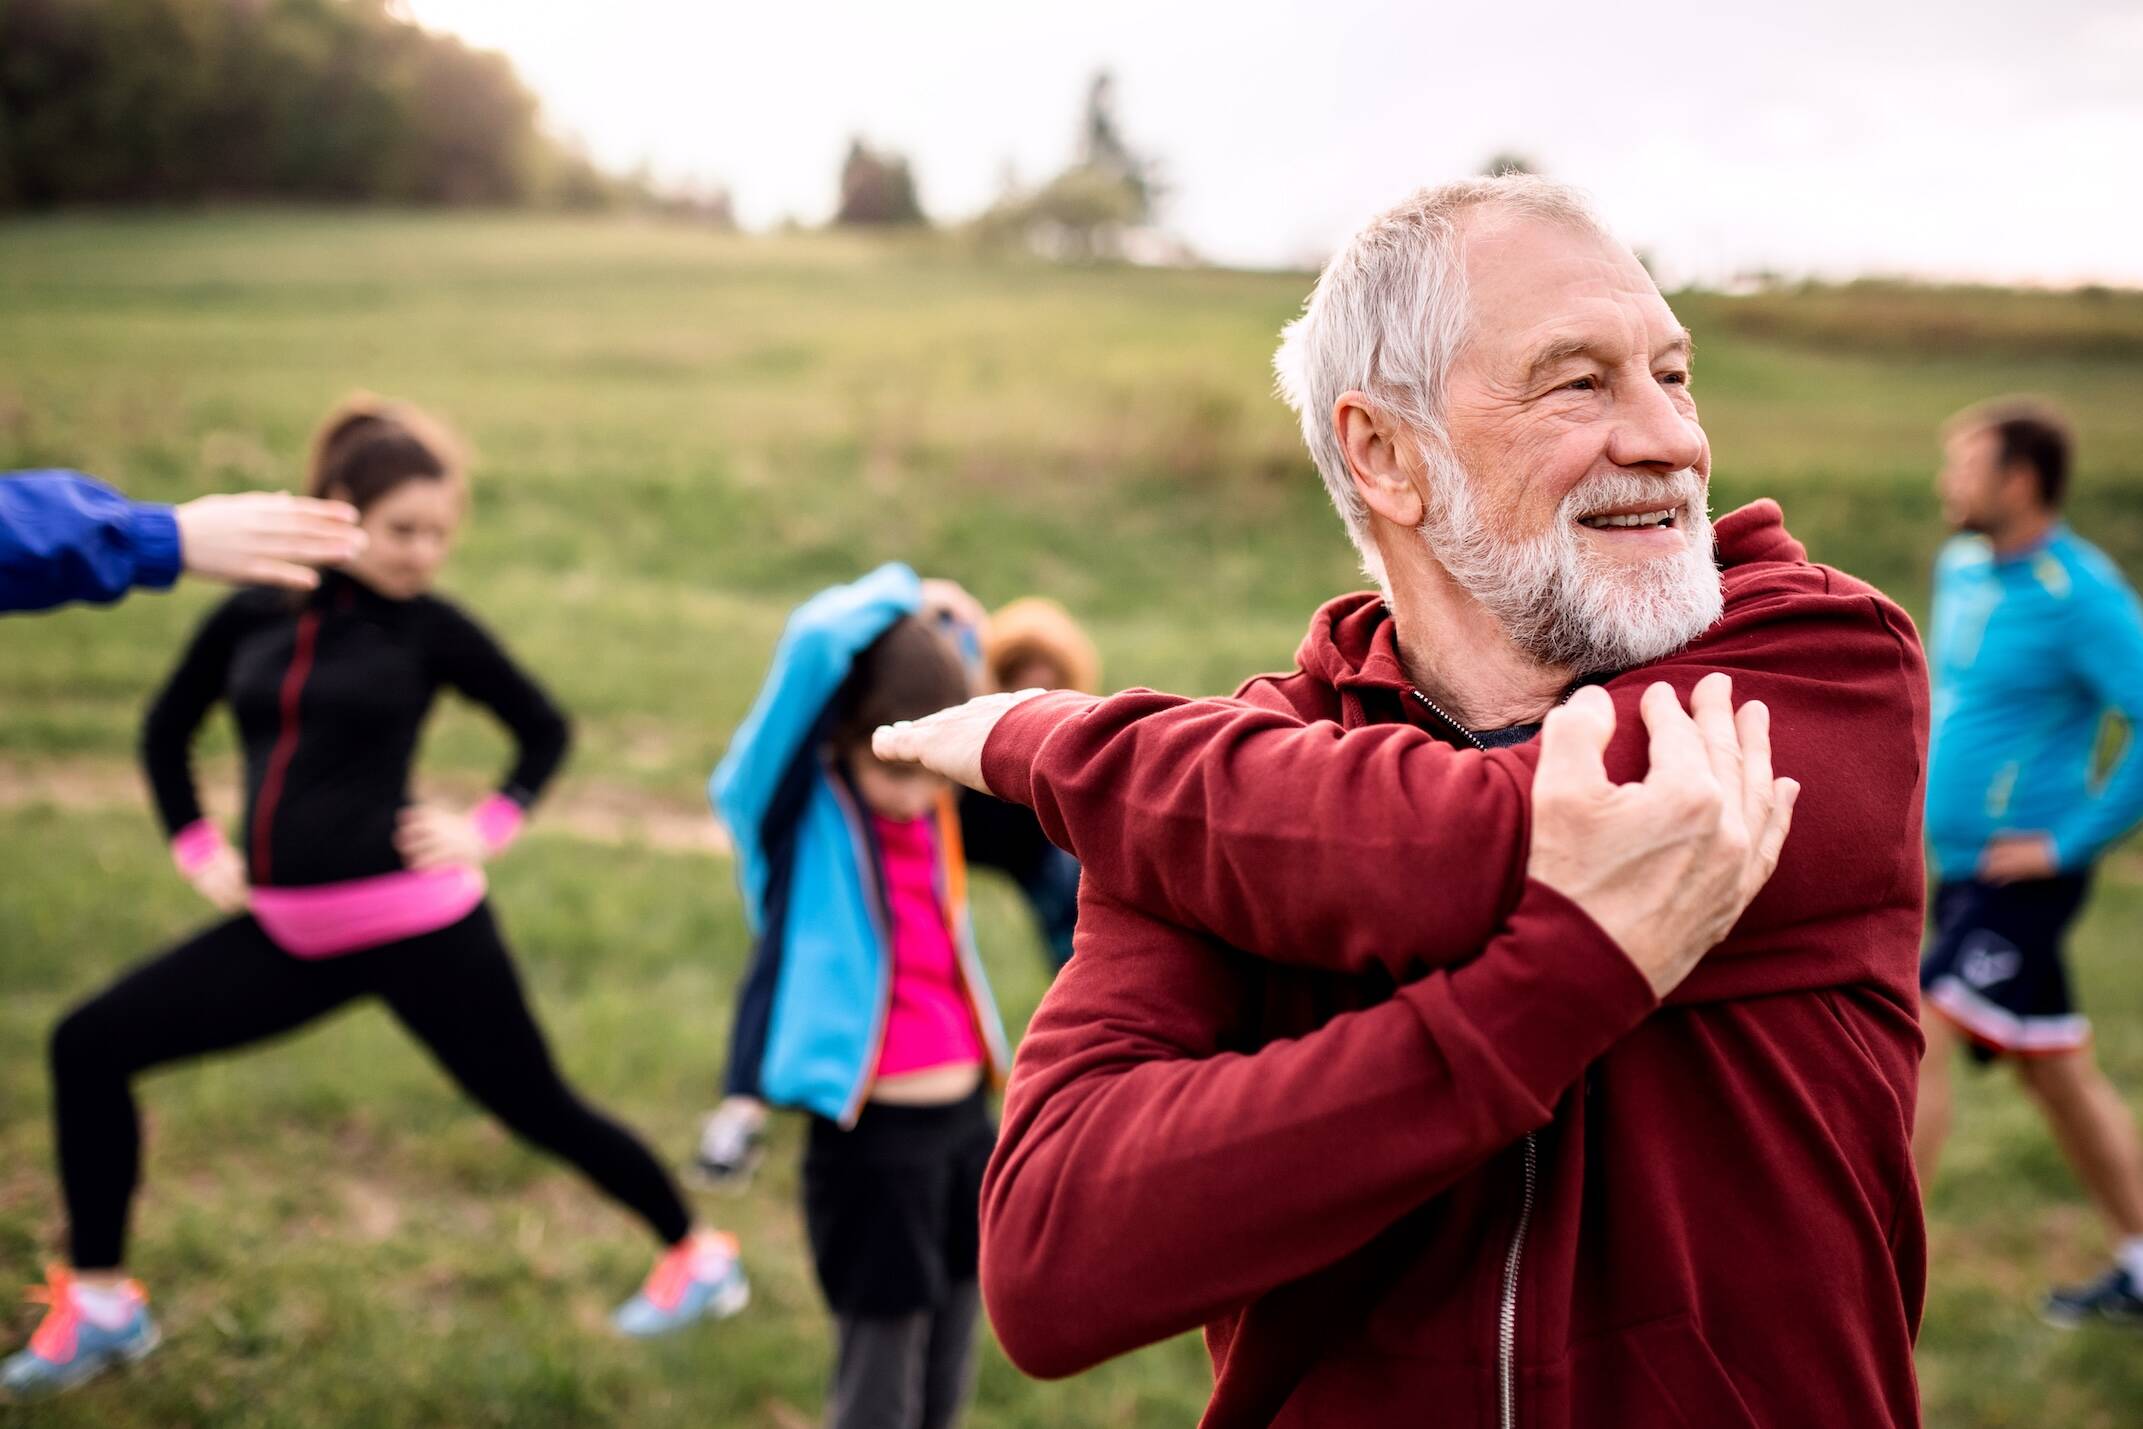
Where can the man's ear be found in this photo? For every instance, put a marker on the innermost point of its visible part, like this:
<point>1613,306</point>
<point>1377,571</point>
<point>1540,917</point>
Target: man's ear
<point>2020,485</point>
<point>1382,458</point>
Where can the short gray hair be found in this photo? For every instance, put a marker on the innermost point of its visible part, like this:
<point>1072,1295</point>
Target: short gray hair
<point>1388,316</point>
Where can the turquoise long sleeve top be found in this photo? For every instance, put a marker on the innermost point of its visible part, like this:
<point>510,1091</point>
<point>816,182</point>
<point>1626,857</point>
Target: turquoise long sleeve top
<point>2028,654</point>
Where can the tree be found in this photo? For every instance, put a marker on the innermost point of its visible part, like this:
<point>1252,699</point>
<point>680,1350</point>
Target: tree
<point>106,101</point>
<point>1103,151</point>
<point>876,188</point>
<point>1090,210</point>
<point>1508,162</point>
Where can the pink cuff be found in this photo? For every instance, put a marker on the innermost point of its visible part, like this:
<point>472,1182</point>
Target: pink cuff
<point>193,846</point>
<point>498,821</point>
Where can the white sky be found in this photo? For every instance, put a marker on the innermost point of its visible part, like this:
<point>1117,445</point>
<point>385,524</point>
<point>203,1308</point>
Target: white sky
<point>1992,139</point>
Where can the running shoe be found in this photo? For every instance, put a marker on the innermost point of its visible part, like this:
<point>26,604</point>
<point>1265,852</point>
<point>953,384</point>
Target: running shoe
<point>732,1142</point>
<point>698,1279</point>
<point>2113,1298</point>
<point>70,1348</point>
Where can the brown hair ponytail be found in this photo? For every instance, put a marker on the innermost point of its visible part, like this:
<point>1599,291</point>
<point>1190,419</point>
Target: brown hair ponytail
<point>369,446</point>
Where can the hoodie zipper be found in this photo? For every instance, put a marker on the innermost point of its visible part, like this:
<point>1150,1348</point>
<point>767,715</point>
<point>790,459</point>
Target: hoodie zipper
<point>1507,1316</point>
<point>1456,728</point>
<point>286,744</point>
<point>1514,1256</point>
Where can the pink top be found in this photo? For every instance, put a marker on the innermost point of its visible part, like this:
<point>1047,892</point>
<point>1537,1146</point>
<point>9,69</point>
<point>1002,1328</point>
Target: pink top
<point>322,920</point>
<point>930,1022</point>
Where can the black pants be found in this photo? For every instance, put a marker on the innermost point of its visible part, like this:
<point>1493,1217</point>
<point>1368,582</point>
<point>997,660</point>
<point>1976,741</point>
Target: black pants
<point>893,1210</point>
<point>455,990</point>
<point>911,1371</point>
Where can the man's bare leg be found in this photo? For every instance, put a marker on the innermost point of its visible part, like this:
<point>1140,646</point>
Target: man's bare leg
<point>2095,1130</point>
<point>2097,1134</point>
<point>1932,1114</point>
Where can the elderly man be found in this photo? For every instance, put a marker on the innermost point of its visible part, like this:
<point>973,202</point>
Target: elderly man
<point>1339,1071</point>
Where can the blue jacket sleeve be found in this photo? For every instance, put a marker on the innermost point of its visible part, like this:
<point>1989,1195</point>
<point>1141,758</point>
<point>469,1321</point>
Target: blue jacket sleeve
<point>821,641</point>
<point>2107,655</point>
<point>65,537</point>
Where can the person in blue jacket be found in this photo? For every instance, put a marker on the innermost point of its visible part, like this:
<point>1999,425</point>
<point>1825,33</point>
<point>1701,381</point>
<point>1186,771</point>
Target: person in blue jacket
<point>2036,638</point>
<point>65,537</point>
<point>865,1005</point>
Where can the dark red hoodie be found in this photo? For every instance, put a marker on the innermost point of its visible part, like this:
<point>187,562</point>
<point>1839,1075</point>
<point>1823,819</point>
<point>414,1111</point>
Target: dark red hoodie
<point>1407,1134</point>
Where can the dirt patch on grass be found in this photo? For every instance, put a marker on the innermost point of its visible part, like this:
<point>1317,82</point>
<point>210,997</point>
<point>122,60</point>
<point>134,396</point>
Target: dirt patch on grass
<point>598,812</point>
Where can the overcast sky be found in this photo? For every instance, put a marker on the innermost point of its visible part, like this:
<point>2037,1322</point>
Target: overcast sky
<point>1992,139</point>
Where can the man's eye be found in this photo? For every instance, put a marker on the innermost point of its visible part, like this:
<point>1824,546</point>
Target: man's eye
<point>1582,384</point>
<point>1675,379</point>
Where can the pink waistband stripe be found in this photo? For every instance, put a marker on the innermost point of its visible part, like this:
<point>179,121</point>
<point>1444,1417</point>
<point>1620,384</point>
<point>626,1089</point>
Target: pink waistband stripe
<point>325,919</point>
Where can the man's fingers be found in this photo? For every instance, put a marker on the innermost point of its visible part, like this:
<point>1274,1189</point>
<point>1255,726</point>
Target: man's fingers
<point>1573,743</point>
<point>278,573</point>
<point>314,510</point>
<point>897,743</point>
<point>312,540</point>
<point>1777,824</point>
<point>1711,706</point>
<point>1676,748</point>
<point>1752,723</point>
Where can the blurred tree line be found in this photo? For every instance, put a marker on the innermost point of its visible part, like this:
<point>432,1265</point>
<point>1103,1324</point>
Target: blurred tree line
<point>877,187</point>
<point>170,100</point>
<point>1096,207</point>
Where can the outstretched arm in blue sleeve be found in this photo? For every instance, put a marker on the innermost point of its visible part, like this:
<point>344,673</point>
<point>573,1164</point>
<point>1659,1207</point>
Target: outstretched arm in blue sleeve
<point>64,537</point>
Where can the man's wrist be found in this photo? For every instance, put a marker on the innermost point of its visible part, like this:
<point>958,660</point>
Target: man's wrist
<point>1015,742</point>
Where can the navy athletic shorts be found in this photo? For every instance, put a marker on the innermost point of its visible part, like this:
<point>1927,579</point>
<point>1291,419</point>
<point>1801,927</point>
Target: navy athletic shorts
<point>1995,966</point>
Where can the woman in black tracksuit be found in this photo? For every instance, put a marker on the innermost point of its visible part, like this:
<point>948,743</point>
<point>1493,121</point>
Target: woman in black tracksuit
<point>342,888</point>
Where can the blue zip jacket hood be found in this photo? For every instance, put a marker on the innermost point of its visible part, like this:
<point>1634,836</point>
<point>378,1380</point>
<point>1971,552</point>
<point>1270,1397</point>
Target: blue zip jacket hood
<point>812,1009</point>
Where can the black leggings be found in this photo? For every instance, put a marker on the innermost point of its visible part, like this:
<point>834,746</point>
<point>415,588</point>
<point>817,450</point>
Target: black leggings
<point>455,990</point>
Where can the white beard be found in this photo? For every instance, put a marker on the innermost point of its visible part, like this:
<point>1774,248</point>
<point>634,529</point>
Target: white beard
<point>1556,601</point>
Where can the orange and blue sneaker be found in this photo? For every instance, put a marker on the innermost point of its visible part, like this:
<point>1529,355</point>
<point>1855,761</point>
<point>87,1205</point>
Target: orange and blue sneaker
<point>700,1278</point>
<point>83,1334</point>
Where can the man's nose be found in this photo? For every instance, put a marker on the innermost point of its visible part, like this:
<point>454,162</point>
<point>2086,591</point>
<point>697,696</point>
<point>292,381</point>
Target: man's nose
<point>1651,430</point>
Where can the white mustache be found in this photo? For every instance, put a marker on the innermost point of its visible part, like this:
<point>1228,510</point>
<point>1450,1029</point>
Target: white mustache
<point>1680,489</point>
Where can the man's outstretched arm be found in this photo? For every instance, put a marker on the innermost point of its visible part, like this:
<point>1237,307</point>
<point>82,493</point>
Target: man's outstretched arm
<point>1384,847</point>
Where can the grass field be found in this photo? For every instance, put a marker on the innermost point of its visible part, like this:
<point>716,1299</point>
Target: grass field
<point>680,435</point>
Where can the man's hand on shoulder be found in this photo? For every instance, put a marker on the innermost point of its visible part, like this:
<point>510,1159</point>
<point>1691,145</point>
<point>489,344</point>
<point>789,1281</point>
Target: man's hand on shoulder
<point>1667,865</point>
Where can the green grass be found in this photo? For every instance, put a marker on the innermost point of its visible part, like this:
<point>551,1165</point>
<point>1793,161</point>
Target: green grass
<point>680,435</point>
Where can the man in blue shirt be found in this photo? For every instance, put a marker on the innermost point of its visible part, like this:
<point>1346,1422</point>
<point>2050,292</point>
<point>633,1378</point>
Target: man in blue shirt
<point>2036,638</point>
<point>64,537</point>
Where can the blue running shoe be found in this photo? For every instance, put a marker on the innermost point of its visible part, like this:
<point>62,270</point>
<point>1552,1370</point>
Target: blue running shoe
<point>69,1348</point>
<point>2112,1299</point>
<point>699,1279</point>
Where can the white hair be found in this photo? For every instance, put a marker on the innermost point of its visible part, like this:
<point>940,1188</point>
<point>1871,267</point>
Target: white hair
<point>1387,318</point>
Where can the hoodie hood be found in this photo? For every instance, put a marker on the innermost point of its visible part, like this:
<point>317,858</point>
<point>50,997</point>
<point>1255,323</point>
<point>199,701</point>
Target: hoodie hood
<point>1353,643</point>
